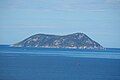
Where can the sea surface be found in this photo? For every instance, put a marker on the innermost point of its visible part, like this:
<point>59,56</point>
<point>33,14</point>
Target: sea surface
<point>58,64</point>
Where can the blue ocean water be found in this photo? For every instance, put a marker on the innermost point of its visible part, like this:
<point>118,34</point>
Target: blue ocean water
<point>58,64</point>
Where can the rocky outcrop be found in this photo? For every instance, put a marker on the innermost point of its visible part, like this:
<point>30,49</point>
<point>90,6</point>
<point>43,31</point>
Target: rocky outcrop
<point>74,41</point>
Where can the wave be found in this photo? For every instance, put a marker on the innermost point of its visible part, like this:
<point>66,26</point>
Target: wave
<point>106,55</point>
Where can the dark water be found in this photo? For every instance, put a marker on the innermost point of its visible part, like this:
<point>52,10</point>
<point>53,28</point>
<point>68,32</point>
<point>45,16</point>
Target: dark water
<point>58,64</point>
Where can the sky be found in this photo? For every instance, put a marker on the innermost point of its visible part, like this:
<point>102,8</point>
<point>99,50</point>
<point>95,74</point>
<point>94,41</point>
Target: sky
<point>99,19</point>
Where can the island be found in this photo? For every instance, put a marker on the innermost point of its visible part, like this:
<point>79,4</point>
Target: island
<point>72,41</point>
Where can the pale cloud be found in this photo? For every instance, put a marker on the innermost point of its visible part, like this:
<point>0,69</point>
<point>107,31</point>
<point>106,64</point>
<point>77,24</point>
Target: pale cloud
<point>97,10</point>
<point>113,1</point>
<point>28,26</point>
<point>61,5</point>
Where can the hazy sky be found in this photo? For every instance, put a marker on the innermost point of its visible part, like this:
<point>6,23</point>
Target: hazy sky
<point>99,19</point>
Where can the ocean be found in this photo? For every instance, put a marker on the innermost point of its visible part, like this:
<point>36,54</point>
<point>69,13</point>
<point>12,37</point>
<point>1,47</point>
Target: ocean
<point>58,64</point>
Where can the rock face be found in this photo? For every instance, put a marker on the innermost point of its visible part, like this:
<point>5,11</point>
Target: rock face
<point>74,41</point>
